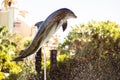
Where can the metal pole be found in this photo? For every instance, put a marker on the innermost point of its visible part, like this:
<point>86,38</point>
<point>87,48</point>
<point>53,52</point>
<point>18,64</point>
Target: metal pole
<point>45,64</point>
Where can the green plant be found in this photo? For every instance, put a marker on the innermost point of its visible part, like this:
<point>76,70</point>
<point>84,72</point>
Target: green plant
<point>7,52</point>
<point>96,47</point>
<point>2,76</point>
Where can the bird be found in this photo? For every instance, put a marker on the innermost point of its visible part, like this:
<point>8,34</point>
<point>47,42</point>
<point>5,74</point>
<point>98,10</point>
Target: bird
<point>46,29</point>
<point>7,3</point>
<point>10,3</point>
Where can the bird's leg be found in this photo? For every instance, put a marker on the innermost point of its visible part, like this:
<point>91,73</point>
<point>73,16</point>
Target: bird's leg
<point>38,65</point>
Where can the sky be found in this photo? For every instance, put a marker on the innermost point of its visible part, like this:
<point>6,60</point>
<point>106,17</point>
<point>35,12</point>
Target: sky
<point>86,10</point>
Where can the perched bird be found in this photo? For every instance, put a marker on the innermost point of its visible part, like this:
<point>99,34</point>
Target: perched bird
<point>10,3</point>
<point>7,3</point>
<point>46,29</point>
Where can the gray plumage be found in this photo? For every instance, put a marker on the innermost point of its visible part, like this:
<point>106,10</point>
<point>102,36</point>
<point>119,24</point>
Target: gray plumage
<point>46,29</point>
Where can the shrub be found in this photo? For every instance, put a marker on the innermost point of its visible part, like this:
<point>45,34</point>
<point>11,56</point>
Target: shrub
<point>7,52</point>
<point>96,47</point>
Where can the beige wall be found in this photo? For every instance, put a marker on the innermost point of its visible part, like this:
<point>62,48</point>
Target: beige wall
<point>4,21</point>
<point>16,22</point>
<point>7,18</point>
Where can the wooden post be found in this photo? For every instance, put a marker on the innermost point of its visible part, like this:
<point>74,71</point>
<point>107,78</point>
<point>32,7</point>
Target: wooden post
<point>53,64</point>
<point>38,65</point>
<point>53,58</point>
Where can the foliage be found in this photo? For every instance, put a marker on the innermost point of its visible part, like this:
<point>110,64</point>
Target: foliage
<point>96,48</point>
<point>2,76</point>
<point>8,48</point>
<point>102,36</point>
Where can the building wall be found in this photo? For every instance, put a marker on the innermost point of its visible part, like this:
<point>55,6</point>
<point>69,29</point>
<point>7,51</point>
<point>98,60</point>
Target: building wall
<point>22,28</point>
<point>7,18</point>
<point>16,21</point>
